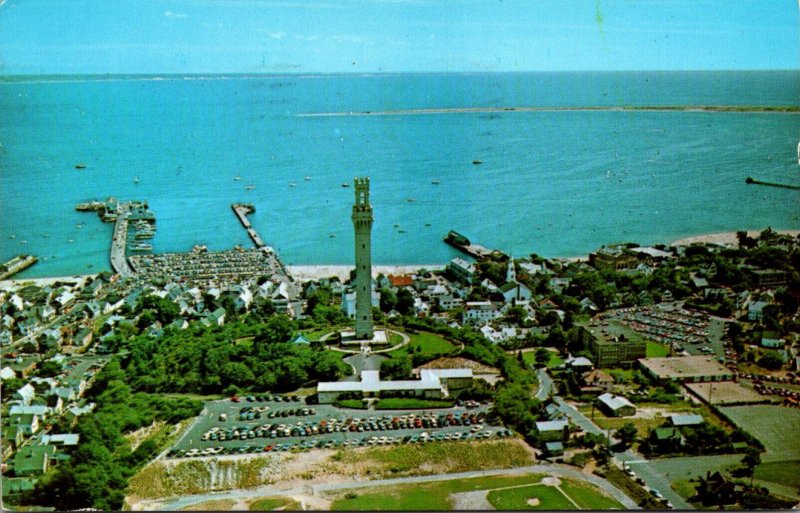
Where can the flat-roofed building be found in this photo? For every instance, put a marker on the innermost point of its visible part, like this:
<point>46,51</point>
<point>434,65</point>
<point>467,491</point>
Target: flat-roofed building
<point>432,383</point>
<point>608,350</point>
<point>553,430</point>
<point>691,369</point>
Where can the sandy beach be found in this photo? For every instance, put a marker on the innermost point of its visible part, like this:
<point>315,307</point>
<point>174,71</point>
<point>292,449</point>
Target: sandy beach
<point>725,237</point>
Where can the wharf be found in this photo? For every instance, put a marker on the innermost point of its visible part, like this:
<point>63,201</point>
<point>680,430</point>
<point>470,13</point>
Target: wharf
<point>118,260</point>
<point>17,264</point>
<point>242,210</point>
<point>753,181</point>
<point>477,251</point>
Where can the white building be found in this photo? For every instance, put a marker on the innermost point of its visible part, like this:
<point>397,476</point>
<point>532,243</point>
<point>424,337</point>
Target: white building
<point>433,383</point>
<point>480,312</point>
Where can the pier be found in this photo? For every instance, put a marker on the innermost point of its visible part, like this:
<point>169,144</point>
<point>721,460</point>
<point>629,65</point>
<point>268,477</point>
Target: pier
<point>119,262</point>
<point>17,264</point>
<point>242,210</point>
<point>476,251</point>
<point>753,181</point>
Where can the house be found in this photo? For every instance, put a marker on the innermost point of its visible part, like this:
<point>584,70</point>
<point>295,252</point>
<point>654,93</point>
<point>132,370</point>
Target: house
<point>65,300</point>
<point>349,302</point>
<point>215,318</point>
<point>666,439</point>
<point>33,460</point>
<point>716,489</point>
<point>401,281</point>
<point>25,394</point>
<point>515,291</point>
<point>300,339</point>
<point>554,448</point>
<point>598,378</point>
<point>60,440</point>
<point>614,257</point>
<point>480,312</point>
<point>685,419</point>
<point>755,310</point>
<point>580,364</point>
<point>27,422</point>
<point>34,409</point>
<point>17,487</point>
<point>83,338</point>
<point>615,405</point>
<point>7,373</point>
<point>553,430</point>
<point>461,269</point>
<point>772,341</point>
<point>24,366</point>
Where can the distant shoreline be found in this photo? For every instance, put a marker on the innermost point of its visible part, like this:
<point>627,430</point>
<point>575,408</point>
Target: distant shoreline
<point>319,271</point>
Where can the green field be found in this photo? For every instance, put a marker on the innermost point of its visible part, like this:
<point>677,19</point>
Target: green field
<point>776,427</point>
<point>402,403</point>
<point>782,472</point>
<point>554,361</point>
<point>656,350</point>
<point>429,344</point>
<point>274,503</point>
<point>548,498</point>
<point>504,493</point>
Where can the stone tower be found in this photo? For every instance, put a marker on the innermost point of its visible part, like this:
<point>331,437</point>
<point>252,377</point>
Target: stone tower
<point>362,224</point>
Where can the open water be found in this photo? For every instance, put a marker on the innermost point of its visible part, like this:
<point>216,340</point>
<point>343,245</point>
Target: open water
<point>557,183</point>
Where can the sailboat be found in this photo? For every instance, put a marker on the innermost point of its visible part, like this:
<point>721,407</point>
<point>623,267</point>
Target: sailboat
<point>798,153</point>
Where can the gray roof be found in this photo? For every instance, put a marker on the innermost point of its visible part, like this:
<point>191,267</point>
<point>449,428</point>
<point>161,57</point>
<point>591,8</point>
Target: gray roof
<point>614,402</point>
<point>686,419</point>
<point>551,425</point>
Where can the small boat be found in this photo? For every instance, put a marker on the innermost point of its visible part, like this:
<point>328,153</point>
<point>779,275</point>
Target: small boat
<point>435,182</point>
<point>292,184</point>
<point>477,162</point>
<point>411,200</point>
<point>142,246</point>
<point>237,178</point>
<point>798,153</point>
<point>80,166</point>
<point>401,231</point>
<point>12,236</point>
<point>332,235</point>
<point>250,187</point>
<point>397,226</point>
<point>136,179</point>
<point>427,224</point>
<point>307,178</point>
<point>345,184</point>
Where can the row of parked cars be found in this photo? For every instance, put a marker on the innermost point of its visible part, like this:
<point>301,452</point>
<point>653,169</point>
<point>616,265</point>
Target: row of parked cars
<point>350,424</point>
<point>266,398</point>
<point>320,443</point>
<point>251,413</point>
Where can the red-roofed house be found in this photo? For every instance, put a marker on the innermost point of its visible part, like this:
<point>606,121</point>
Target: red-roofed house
<point>401,281</point>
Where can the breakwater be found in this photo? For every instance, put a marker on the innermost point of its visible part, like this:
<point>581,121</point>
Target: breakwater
<point>17,264</point>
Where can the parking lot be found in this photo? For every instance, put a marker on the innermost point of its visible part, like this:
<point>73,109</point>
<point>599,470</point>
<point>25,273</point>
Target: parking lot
<point>271,423</point>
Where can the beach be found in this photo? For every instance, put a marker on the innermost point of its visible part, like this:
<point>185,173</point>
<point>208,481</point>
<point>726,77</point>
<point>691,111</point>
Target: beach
<point>725,238</point>
<point>316,272</point>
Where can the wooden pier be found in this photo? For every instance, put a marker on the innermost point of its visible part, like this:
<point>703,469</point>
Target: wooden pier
<point>119,261</point>
<point>242,210</point>
<point>476,251</point>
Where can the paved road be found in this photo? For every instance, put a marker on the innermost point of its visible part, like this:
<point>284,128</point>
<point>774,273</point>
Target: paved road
<point>652,477</point>
<point>265,491</point>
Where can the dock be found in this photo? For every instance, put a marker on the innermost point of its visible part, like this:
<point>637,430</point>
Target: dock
<point>753,181</point>
<point>476,251</point>
<point>119,261</point>
<point>17,264</point>
<point>242,210</point>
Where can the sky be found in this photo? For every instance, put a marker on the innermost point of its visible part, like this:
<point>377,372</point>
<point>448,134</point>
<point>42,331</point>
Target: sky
<point>246,36</point>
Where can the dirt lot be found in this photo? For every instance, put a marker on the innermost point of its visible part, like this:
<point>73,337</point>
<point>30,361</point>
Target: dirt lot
<point>725,392</point>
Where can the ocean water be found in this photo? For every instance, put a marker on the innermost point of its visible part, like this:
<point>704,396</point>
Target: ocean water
<point>557,183</point>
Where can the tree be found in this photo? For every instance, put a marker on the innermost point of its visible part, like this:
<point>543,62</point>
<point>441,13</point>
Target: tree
<point>405,301</point>
<point>771,361</point>
<point>397,367</point>
<point>542,356</point>
<point>751,460</point>
<point>627,434</point>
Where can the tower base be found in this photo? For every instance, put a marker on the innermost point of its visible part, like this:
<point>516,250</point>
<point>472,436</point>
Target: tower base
<point>379,337</point>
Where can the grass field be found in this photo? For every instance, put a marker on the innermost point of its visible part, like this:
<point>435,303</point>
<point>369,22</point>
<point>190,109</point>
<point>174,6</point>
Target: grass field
<point>429,344</point>
<point>503,492</point>
<point>273,503</point>
<point>777,427</point>
<point>782,472</point>
<point>555,360</point>
<point>400,403</point>
<point>656,350</point>
<point>218,505</point>
<point>548,498</point>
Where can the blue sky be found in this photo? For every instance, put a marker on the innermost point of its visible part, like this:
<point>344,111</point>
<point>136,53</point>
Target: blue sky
<point>226,36</point>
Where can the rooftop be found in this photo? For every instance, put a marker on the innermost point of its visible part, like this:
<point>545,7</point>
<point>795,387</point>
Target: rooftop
<point>614,401</point>
<point>685,366</point>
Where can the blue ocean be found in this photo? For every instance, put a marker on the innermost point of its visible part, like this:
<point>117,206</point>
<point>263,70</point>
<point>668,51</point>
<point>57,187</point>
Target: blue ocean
<point>557,183</point>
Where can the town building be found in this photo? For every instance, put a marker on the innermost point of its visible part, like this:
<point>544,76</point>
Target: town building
<point>553,430</point>
<point>610,351</point>
<point>689,369</point>
<point>432,383</point>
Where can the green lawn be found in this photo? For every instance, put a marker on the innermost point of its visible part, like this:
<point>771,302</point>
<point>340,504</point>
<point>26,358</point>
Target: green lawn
<point>656,350</point>
<point>274,503</point>
<point>781,472</point>
<point>554,361</point>
<point>587,496</point>
<point>402,403</point>
<point>549,498</point>
<point>356,404</point>
<point>433,496</point>
<point>429,344</point>
<point>775,426</point>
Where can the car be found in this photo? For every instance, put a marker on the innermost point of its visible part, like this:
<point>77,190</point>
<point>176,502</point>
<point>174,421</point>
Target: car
<point>656,493</point>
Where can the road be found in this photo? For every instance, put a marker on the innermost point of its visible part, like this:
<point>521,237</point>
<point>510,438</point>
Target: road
<point>545,384</point>
<point>273,490</point>
<point>643,469</point>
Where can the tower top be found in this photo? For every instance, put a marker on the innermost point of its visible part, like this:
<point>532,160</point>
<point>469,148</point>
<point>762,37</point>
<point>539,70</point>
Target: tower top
<point>362,193</point>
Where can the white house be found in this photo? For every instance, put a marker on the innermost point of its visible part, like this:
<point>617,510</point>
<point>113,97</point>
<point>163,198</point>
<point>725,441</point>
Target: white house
<point>480,312</point>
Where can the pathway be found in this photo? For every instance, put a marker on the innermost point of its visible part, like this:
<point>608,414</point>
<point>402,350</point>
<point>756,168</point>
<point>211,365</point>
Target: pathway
<point>276,490</point>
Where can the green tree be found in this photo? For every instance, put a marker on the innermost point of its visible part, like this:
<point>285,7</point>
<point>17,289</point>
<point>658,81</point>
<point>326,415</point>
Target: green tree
<point>627,434</point>
<point>405,301</point>
<point>771,361</point>
<point>542,356</point>
<point>397,367</point>
<point>751,460</point>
